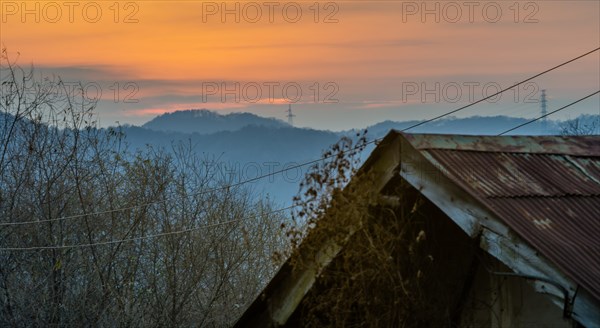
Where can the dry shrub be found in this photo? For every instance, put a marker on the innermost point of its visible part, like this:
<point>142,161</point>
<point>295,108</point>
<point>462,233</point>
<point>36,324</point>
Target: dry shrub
<point>383,274</point>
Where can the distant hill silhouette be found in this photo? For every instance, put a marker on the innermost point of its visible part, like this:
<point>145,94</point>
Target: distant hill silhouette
<point>246,146</point>
<point>247,153</point>
<point>474,125</point>
<point>203,121</point>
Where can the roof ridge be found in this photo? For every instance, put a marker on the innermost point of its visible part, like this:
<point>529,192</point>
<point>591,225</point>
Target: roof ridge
<point>558,145</point>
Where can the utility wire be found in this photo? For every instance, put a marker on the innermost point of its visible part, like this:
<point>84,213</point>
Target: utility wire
<point>273,173</point>
<point>190,195</point>
<point>238,220</point>
<point>163,234</point>
<point>550,113</point>
<point>503,90</point>
<point>110,242</point>
<point>302,164</point>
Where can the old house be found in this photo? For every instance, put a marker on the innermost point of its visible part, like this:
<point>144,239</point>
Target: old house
<point>513,225</point>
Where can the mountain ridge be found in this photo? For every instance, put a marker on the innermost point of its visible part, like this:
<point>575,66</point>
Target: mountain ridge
<point>204,121</point>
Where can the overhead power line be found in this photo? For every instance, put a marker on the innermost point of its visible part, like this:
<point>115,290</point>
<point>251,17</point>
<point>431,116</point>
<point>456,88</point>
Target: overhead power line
<point>76,216</point>
<point>132,239</point>
<point>110,242</point>
<point>550,113</point>
<point>503,90</point>
<point>302,164</point>
<point>267,175</point>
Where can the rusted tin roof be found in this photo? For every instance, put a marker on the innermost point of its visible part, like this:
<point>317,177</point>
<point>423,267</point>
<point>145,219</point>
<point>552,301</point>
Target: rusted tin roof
<point>547,189</point>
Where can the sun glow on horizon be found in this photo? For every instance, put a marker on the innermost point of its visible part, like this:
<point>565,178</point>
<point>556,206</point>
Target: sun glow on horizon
<point>169,49</point>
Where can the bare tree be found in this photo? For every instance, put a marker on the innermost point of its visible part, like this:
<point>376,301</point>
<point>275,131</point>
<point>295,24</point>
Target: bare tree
<point>146,238</point>
<point>580,126</point>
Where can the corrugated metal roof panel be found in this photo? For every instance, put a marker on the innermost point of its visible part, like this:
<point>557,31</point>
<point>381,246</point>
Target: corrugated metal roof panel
<point>547,189</point>
<point>564,229</point>
<point>519,174</point>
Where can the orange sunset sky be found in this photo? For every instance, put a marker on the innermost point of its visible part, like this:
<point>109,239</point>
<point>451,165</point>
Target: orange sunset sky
<point>362,54</point>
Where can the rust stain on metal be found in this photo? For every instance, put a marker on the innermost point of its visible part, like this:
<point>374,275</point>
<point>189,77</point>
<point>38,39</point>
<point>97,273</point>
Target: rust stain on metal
<point>547,189</point>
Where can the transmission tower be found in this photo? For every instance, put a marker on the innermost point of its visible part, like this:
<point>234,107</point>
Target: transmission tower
<point>290,116</point>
